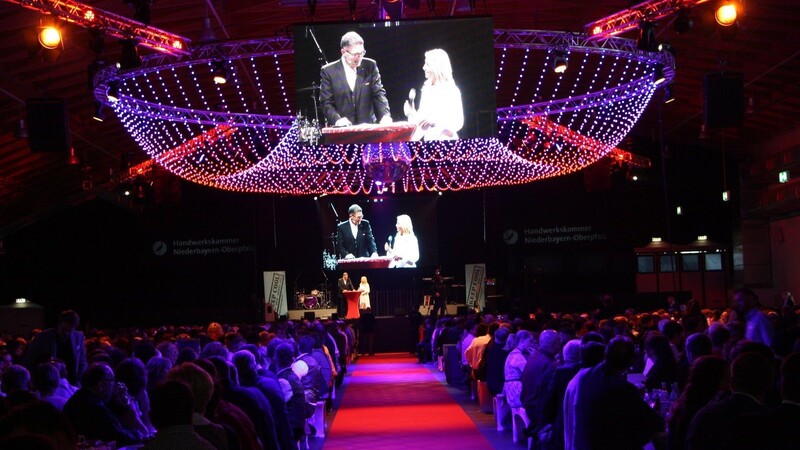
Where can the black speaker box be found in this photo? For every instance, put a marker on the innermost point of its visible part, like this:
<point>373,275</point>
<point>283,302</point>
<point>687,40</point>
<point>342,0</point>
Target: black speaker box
<point>47,125</point>
<point>724,100</point>
<point>461,310</point>
<point>309,316</point>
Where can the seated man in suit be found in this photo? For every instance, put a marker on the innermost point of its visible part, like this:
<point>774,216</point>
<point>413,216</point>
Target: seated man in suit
<point>351,91</point>
<point>354,237</point>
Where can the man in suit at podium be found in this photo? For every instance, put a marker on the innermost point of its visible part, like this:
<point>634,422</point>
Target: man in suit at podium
<point>354,237</point>
<point>344,284</point>
<point>351,91</point>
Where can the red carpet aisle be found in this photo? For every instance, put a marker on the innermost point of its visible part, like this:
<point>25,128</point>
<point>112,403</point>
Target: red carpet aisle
<point>393,403</point>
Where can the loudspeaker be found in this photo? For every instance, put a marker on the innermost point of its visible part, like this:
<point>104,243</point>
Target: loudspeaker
<point>47,125</point>
<point>461,310</point>
<point>724,99</point>
<point>309,316</point>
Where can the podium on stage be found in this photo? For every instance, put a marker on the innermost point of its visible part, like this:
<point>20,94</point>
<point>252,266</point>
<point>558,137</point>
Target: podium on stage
<point>352,298</point>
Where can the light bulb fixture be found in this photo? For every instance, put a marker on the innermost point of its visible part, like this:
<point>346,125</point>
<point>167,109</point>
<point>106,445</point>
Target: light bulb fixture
<point>99,113</point>
<point>669,93</point>
<point>658,75</point>
<point>113,91</point>
<point>560,61</point>
<point>725,14</point>
<point>219,72</point>
<point>49,34</point>
<point>73,158</point>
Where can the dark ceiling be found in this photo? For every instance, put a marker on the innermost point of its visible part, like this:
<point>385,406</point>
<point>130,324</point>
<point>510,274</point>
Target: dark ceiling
<point>766,50</point>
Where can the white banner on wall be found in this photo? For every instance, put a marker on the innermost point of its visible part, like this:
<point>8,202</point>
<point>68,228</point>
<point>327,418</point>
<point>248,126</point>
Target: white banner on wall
<point>476,279</point>
<point>275,292</point>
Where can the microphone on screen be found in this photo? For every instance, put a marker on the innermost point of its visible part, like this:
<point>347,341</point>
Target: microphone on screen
<point>390,241</point>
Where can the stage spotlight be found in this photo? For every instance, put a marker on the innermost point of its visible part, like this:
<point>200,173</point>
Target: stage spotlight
<point>207,31</point>
<point>658,75</point>
<point>99,112</point>
<point>669,93</point>
<point>219,72</point>
<point>130,58</point>
<point>726,13</point>
<point>683,23</point>
<point>50,37</point>
<point>647,37</point>
<point>560,61</point>
<point>113,91</point>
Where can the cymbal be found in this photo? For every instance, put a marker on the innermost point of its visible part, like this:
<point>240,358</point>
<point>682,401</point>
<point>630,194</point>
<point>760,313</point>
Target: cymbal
<point>311,88</point>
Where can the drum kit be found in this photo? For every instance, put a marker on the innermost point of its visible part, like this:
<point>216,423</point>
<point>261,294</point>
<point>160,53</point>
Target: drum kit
<point>308,130</point>
<point>314,299</point>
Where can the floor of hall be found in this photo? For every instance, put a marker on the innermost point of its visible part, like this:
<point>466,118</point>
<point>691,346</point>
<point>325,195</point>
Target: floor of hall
<point>389,401</point>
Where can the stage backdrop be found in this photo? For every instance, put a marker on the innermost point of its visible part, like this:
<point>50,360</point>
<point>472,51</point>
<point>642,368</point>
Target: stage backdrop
<point>275,291</point>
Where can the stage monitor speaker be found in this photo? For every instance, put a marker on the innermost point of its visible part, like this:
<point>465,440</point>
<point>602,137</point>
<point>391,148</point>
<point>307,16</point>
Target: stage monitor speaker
<point>47,125</point>
<point>461,310</point>
<point>724,99</point>
<point>309,316</point>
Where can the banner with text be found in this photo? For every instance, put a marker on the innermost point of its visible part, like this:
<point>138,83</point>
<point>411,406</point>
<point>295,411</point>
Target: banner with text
<point>275,292</point>
<point>476,278</point>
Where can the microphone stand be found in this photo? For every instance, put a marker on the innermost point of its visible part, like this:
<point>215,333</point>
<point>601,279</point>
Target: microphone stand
<point>322,61</point>
<point>334,235</point>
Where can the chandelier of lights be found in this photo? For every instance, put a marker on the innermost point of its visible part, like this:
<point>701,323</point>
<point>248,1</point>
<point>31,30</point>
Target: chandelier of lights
<point>243,135</point>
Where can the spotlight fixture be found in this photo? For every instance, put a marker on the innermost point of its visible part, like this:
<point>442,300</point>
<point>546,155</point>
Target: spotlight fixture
<point>50,37</point>
<point>130,58</point>
<point>726,13</point>
<point>560,61</point>
<point>683,23</point>
<point>669,94</point>
<point>207,31</point>
<point>73,158</point>
<point>658,75</point>
<point>99,112</point>
<point>219,72</point>
<point>647,37</point>
<point>113,91</point>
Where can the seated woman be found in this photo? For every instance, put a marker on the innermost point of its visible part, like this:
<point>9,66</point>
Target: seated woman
<point>405,249</point>
<point>440,115</point>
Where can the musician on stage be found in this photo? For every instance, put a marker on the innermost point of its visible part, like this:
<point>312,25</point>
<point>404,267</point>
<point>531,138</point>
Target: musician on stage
<point>351,91</point>
<point>354,236</point>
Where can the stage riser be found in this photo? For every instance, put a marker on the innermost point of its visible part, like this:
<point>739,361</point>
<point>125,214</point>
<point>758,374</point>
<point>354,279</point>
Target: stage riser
<point>298,314</point>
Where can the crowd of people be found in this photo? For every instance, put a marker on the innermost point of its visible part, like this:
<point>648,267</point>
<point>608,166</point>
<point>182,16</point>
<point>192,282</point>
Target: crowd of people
<point>708,379</point>
<point>217,387</point>
<point>680,378</point>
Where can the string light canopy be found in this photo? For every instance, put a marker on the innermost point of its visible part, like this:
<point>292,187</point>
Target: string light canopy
<point>242,135</point>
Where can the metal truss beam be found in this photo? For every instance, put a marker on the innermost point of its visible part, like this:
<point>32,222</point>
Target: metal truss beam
<point>629,19</point>
<point>121,27</point>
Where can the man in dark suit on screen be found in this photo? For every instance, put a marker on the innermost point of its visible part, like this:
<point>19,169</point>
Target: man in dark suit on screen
<point>351,91</point>
<point>354,237</point>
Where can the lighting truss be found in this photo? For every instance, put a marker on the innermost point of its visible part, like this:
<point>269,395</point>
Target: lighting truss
<point>628,19</point>
<point>114,25</point>
<point>242,136</point>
